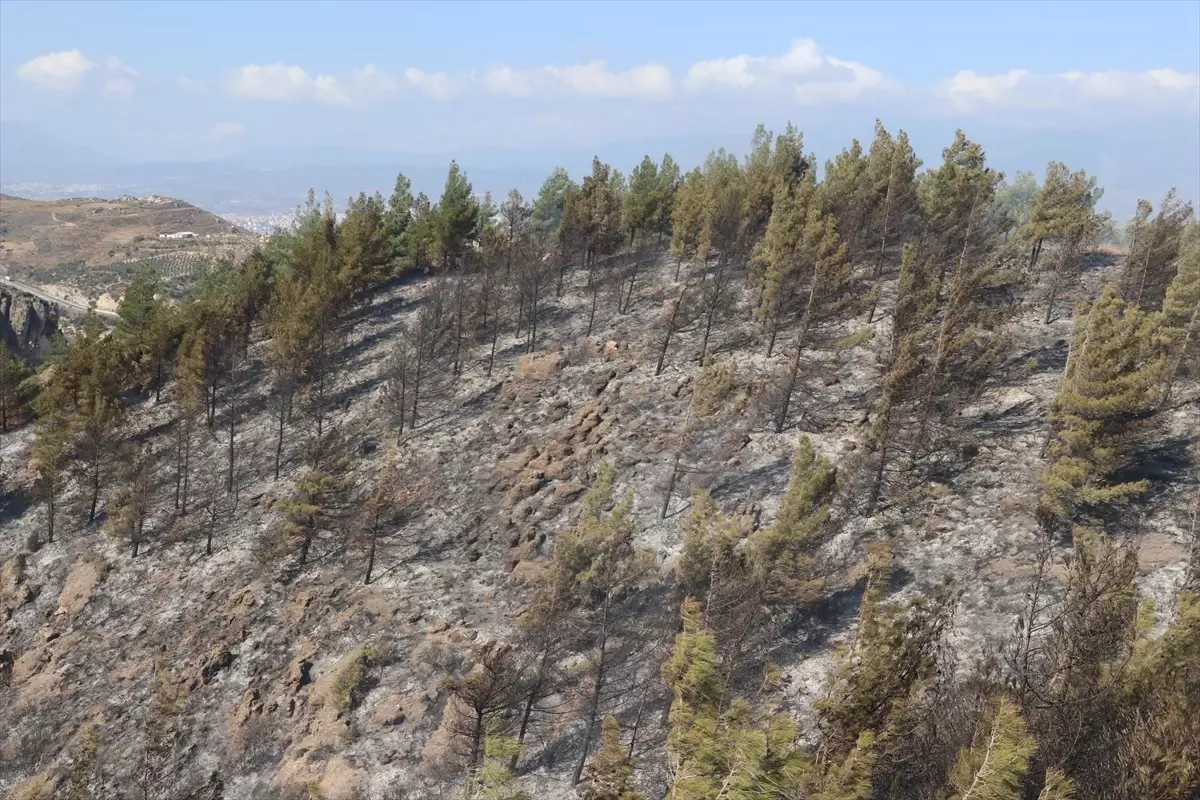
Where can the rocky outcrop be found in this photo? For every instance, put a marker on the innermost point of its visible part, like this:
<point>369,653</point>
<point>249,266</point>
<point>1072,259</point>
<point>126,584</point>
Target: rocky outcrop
<point>27,323</point>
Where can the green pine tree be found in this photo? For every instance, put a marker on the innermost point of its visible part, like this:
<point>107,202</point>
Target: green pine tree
<point>994,766</point>
<point>1181,313</point>
<point>1154,247</point>
<point>608,776</point>
<point>1111,381</point>
<point>1063,216</point>
<point>13,373</point>
<point>783,555</point>
<point>51,451</point>
<point>722,748</point>
<point>456,219</point>
<point>642,199</point>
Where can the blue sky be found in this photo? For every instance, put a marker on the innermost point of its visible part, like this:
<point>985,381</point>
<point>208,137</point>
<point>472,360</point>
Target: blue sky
<point>1113,86</point>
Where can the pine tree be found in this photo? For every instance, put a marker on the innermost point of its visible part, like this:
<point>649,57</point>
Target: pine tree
<point>50,454</point>
<point>319,501</point>
<point>1111,381</point>
<point>534,275</point>
<point>598,564</point>
<point>1063,215</point>
<point>397,218</point>
<point>879,678</point>
<point>847,778</point>
<point>825,295</point>
<point>783,259</point>
<point>783,555</point>
<point>544,637</point>
<point>547,212</point>
<point>669,179</point>
<point>386,503</point>
<point>892,202</point>
<point>147,328</point>
<point>13,373</point>
<point>456,220</point>
<point>1082,710</point>
<point>678,314</point>
<point>1181,313</point>
<point>1160,693</point>
<point>190,400</point>
<point>766,171</point>
<point>139,305</point>
<point>952,201</point>
<point>970,339</point>
<point>495,782</point>
<point>161,346</point>
<point>608,776</point>
<point>289,324</point>
<point>846,194</point>
<point>421,243</point>
<point>515,221</point>
<point>714,569</point>
<point>1057,786</point>
<point>723,749</point>
<point>130,502</point>
<point>364,247</point>
<point>916,304</point>
<point>687,219</point>
<point>726,200</point>
<point>96,421</point>
<point>641,201</point>
<point>599,218</point>
<point>1154,247</point>
<point>994,766</point>
<point>477,707</point>
<point>713,402</point>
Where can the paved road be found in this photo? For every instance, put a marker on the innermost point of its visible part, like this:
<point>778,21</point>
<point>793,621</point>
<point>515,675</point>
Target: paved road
<point>51,298</point>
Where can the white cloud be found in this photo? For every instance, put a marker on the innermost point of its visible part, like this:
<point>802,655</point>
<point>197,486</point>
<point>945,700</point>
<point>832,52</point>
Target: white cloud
<point>119,77</point>
<point>810,74</point>
<point>289,83</point>
<point>277,82</point>
<point>115,65</point>
<point>58,72</point>
<point>968,91</point>
<point>118,86</point>
<point>222,129</point>
<point>286,83</point>
<point>594,79</point>
<point>436,85</point>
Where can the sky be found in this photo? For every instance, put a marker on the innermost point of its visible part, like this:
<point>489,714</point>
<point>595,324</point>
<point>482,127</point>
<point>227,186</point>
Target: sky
<point>1113,85</point>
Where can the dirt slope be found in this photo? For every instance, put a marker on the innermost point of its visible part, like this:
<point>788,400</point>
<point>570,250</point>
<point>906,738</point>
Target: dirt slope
<point>256,651</point>
<point>89,242</point>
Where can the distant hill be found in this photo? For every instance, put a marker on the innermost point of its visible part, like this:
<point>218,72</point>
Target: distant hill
<point>28,153</point>
<point>39,237</point>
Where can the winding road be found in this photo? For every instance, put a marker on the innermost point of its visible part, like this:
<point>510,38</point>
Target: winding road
<point>51,298</point>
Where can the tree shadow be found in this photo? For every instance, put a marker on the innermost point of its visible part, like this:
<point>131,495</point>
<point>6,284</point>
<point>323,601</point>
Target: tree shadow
<point>389,307</point>
<point>1099,260</point>
<point>13,504</point>
<point>770,474</point>
<point>1050,358</point>
<point>1165,465</point>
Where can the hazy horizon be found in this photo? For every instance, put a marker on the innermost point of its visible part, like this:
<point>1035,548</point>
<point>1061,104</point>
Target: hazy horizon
<point>511,88</point>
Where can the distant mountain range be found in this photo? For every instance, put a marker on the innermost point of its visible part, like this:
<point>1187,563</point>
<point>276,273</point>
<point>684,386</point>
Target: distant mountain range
<point>37,165</point>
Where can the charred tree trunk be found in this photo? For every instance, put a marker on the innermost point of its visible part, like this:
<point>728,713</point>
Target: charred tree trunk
<point>600,675</point>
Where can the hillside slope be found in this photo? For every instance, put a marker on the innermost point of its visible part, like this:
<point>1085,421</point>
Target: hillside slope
<point>88,242</point>
<point>256,652</point>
